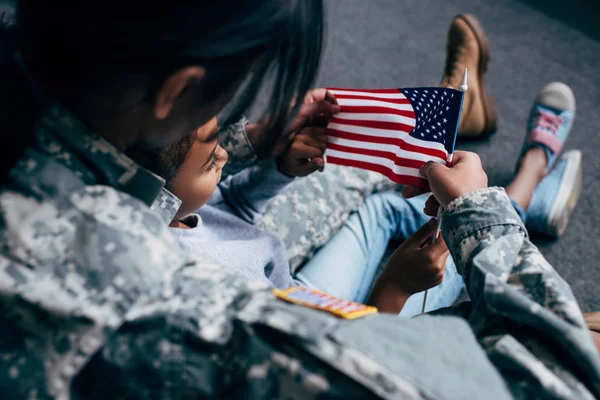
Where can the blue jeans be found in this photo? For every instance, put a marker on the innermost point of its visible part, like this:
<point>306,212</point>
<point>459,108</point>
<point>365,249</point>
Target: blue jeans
<point>347,265</point>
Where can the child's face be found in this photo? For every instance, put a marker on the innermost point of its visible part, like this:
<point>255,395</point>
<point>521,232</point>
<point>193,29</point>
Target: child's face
<point>201,171</point>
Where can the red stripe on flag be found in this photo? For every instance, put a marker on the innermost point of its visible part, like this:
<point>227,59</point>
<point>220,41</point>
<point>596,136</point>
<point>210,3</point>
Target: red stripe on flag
<point>366,90</point>
<point>386,140</point>
<point>399,179</point>
<point>399,161</point>
<point>393,126</point>
<point>376,110</point>
<point>356,97</point>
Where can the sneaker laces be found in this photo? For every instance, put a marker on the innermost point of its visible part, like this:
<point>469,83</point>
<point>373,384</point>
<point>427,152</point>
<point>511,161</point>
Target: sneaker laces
<point>548,121</point>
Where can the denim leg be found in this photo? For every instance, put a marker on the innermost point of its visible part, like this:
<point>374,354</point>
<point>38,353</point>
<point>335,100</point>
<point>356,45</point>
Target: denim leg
<point>347,264</point>
<point>519,210</point>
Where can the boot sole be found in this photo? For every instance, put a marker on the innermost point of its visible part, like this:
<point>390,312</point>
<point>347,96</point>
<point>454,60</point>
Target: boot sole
<point>489,106</point>
<point>568,195</point>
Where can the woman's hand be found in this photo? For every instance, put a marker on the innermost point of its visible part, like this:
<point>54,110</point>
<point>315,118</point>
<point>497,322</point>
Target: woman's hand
<point>448,183</point>
<point>305,155</point>
<point>417,265</point>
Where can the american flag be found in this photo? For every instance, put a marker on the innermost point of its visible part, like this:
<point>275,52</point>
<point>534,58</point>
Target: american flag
<point>394,131</point>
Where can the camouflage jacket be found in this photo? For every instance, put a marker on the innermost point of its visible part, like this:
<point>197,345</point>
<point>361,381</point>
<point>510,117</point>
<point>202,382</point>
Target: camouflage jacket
<point>98,301</point>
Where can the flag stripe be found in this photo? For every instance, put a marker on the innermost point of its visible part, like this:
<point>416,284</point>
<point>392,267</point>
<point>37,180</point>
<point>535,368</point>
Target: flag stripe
<point>403,100</point>
<point>376,91</point>
<point>399,161</point>
<point>397,151</point>
<point>397,169</point>
<point>400,179</point>
<point>373,103</point>
<point>401,143</point>
<point>376,117</point>
<point>375,110</point>
<point>368,133</point>
<point>375,124</point>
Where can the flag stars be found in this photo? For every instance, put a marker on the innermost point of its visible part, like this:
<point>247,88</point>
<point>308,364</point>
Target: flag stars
<point>447,108</point>
<point>445,121</point>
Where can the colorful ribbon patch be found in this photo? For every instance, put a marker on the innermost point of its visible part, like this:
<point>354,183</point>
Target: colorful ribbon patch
<point>322,301</point>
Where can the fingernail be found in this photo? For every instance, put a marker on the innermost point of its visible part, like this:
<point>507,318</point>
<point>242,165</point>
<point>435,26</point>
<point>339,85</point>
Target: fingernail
<point>335,108</point>
<point>320,163</point>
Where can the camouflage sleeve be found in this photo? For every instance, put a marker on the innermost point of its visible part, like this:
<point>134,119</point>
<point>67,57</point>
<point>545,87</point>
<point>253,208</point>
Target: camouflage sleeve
<point>234,140</point>
<point>524,313</point>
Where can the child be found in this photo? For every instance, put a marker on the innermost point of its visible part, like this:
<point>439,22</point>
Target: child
<point>217,219</point>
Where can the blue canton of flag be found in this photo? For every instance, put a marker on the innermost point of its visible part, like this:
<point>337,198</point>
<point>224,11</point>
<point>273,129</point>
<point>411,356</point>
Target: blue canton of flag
<point>437,112</point>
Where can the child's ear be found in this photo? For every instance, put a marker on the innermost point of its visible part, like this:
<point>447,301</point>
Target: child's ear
<point>173,87</point>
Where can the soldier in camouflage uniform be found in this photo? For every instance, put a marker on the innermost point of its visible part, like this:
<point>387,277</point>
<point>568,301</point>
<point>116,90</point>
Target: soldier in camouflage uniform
<point>98,301</point>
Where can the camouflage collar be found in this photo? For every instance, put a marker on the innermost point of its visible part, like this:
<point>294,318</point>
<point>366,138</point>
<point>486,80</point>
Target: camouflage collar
<point>166,205</point>
<point>105,163</point>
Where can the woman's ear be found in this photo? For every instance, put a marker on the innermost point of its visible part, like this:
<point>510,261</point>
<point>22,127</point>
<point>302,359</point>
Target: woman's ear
<point>173,87</point>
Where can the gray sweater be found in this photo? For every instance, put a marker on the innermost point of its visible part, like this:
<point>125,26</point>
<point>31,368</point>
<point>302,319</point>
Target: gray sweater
<point>224,230</point>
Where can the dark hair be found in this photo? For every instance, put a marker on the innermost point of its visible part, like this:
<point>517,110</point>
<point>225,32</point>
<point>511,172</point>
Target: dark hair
<point>165,161</point>
<point>69,45</point>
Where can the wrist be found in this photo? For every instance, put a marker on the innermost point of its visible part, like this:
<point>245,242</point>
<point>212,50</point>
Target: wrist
<point>387,296</point>
<point>280,166</point>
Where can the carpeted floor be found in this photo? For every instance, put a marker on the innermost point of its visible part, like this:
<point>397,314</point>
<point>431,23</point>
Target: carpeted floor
<point>396,43</point>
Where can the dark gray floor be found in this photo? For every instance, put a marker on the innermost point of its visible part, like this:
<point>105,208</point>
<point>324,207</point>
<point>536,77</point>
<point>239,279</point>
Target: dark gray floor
<point>400,43</point>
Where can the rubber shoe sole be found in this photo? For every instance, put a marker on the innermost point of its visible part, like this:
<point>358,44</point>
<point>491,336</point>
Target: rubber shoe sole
<point>568,194</point>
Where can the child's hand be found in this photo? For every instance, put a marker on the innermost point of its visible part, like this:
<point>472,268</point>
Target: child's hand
<point>316,110</point>
<point>418,265</point>
<point>305,154</point>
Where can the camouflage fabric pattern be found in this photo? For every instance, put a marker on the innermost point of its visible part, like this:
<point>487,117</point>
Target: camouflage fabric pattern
<point>519,302</point>
<point>166,205</point>
<point>98,301</point>
<point>234,140</point>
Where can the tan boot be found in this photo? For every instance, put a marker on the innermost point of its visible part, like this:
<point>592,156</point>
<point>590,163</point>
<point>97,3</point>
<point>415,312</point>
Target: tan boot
<point>467,47</point>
